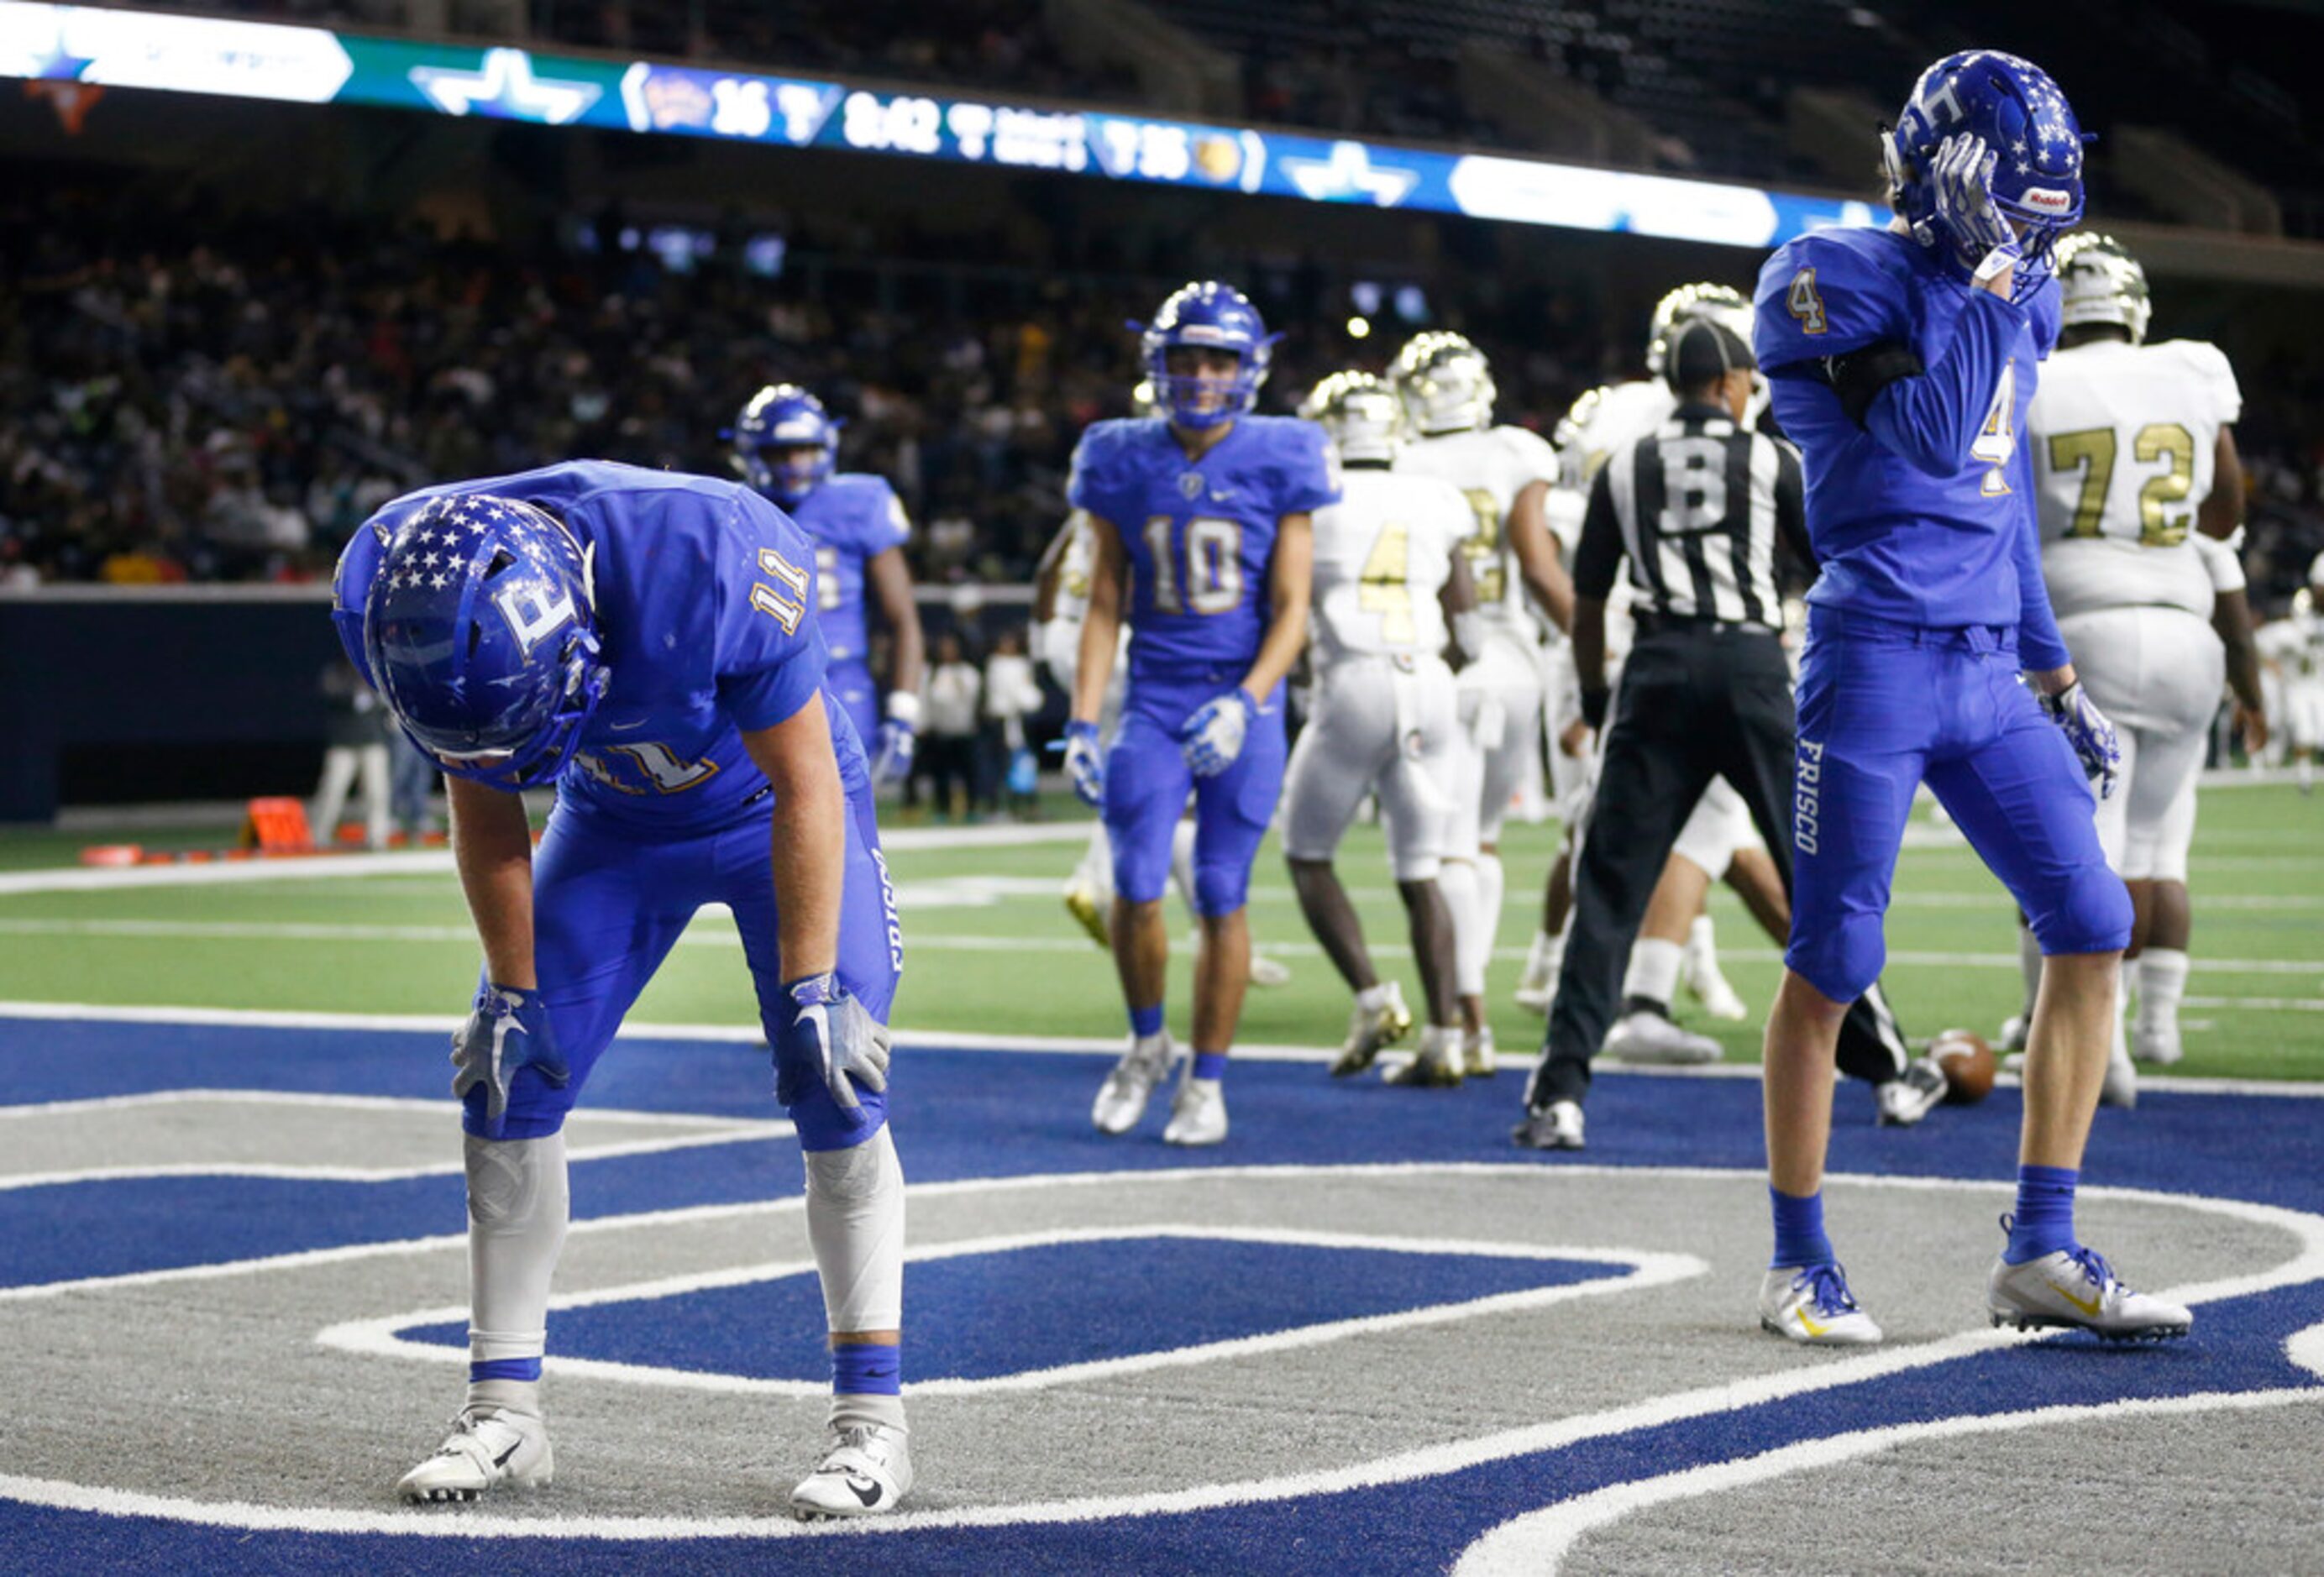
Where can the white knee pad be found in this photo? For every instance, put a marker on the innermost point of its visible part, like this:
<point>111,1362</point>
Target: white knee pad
<point>1182,862</point>
<point>1456,879</point>
<point>517,1209</point>
<point>856,1224</point>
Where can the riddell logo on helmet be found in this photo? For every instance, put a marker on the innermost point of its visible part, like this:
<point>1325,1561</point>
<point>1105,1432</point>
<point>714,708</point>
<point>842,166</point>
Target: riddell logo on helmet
<point>2043,200</point>
<point>1208,334</point>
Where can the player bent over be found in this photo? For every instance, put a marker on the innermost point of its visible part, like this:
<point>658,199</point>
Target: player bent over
<point>1902,362</point>
<point>1391,578</point>
<point>1204,512</point>
<point>646,641</point>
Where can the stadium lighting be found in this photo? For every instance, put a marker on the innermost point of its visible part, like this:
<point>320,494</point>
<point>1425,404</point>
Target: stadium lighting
<point>1360,327</point>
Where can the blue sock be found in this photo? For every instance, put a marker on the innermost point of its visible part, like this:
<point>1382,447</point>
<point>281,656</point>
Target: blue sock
<point>1145,1021</point>
<point>504,1369</point>
<point>1209,1065</point>
<point>867,1369</point>
<point>1799,1229</point>
<point>2044,1221</point>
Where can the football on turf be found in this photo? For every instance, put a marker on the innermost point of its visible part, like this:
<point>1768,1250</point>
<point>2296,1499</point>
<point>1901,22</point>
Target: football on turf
<point>1967,1064</point>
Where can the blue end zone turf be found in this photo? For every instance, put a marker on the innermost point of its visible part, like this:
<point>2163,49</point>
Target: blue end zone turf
<point>975,1316</point>
<point>962,1114</point>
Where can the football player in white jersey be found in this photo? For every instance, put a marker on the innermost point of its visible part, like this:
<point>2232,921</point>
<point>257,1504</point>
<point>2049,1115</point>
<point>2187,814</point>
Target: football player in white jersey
<point>1676,940</point>
<point>2139,489</point>
<point>1445,389</point>
<point>2293,646</point>
<point>1391,581</point>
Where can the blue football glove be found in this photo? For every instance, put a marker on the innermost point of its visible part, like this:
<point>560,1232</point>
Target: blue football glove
<point>891,750</point>
<point>1963,178</point>
<point>2091,735</point>
<point>1085,762</point>
<point>1212,737</point>
<point>507,1029</point>
<point>832,1041</point>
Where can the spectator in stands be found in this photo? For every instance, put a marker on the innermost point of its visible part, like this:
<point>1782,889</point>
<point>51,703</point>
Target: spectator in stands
<point>1012,694</point>
<point>947,752</point>
<point>359,734</point>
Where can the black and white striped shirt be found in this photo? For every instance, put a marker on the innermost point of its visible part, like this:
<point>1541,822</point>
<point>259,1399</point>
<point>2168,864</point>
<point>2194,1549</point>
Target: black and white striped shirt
<point>1696,509</point>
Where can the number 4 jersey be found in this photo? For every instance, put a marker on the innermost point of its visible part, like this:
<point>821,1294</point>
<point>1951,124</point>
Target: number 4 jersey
<point>1200,534</point>
<point>1922,514</point>
<point>1383,554</point>
<point>703,594</point>
<point>2125,438</point>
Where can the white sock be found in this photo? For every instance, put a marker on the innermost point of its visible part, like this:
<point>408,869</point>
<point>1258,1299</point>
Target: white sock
<point>1549,946</point>
<point>518,1205</point>
<point>2029,967</point>
<point>1457,881</point>
<point>1702,944</point>
<point>1491,887</point>
<point>1182,861</point>
<point>1654,970</point>
<point>1096,869</point>
<point>2161,982</point>
<point>1373,999</point>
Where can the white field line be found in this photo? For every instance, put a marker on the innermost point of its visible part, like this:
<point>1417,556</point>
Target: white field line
<point>908,1039</point>
<point>1404,1467</point>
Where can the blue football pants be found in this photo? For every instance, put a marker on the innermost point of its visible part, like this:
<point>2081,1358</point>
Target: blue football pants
<point>1147,781</point>
<point>1885,706</point>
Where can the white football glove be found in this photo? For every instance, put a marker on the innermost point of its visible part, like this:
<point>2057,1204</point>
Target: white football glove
<point>1963,178</point>
<point>1085,763</point>
<point>2091,735</point>
<point>1212,737</point>
<point>831,1040</point>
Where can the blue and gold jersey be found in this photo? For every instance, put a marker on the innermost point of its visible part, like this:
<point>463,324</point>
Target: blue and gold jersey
<point>1924,513</point>
<point>704,595</point>
<point>1200,534</point>
<point>853,519</point>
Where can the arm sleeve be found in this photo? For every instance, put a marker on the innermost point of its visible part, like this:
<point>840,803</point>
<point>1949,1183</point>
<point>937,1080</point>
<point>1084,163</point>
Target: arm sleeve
<point>1598,559</point>
<point>1790,506</point>
<point>1932,419</point>
<point>771,661</point>
<point>2040,647</point>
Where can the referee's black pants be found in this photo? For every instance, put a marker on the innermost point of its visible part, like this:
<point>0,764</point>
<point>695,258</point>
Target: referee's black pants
<point>1697,700</point>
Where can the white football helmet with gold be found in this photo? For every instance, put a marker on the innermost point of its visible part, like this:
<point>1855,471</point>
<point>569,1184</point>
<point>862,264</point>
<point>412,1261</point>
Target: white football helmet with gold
<point>1705,301</point>
<point>1359,412</point>
<point>1444,384</point>
<point>2102,283</point>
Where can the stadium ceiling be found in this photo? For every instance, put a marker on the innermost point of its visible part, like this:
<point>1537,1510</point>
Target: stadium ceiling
<point>312,65</point>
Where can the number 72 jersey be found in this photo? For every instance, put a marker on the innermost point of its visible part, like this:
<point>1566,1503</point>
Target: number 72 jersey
<point>1200,534</point>
<point>2124,441</point>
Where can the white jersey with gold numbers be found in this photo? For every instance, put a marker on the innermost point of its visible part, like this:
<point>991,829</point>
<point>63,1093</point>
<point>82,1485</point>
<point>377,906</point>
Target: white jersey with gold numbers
<point>1490,467</point>
<point>1382,555</point>
<point>2125,438</point>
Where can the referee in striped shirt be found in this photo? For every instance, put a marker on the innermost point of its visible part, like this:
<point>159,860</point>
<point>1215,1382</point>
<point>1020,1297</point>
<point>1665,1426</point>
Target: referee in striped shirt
<point>1696,511</point>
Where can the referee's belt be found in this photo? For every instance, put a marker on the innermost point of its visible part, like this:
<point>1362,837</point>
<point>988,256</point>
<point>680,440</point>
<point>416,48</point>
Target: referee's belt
<point>1649,623</point>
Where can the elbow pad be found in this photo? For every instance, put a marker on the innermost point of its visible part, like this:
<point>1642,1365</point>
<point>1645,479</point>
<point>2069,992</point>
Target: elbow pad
<point>1858,376</point>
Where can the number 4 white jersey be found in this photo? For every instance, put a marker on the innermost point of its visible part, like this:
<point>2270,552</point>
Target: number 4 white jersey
<point>1382,555</point>
<point>1490,467</point>
<point>2125,438</point>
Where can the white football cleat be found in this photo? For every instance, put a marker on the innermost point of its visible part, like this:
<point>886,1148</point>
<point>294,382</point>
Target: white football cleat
<point>2121,1086</point>
<point>2077,1289</point>
<point>866,1470</point>
<point>1650,1039</point>
<point>2156,1043</point>
<point>1537,985</point>
<point>1370,1029</point>
<point>1913,1094</point>
<point>1081,903</point>
<point>1435,1067</point>
<point>1811,1305</point>
<point>1556,1126</point>
<point>1199,1115</point>
<point>1121,1099</point>
<point>1266,973</point>
<point>1698,971</point>
<point>2014,1030</point>
<point>486,1450</point>
<point>1479,1059</point>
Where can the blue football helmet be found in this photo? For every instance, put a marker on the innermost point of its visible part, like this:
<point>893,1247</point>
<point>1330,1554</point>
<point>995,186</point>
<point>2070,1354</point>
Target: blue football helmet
<point>785,420</point>
<point>2025,123</point>
<point>481,630</point>
<point>1212,316</point>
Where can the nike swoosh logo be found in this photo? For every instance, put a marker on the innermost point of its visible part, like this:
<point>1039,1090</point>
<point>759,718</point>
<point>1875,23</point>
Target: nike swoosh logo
<point>865,1490</point>
<point>2090,1309</point>
<point>624,727</point>
<point>501,1460</point>
<point>1807,1322</point>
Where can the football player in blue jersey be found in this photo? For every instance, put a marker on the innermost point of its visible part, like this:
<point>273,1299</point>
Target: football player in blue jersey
<point>1204,546</point>
<point>787,448</point>
<point>1902,362</point>
<point>646,641</point>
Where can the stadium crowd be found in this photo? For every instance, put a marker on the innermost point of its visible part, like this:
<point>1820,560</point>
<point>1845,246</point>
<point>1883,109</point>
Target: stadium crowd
<point>184,400</point>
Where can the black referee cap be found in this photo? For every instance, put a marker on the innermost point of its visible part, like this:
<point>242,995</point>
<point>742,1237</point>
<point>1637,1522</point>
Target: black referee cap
<point>1702,352</point>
